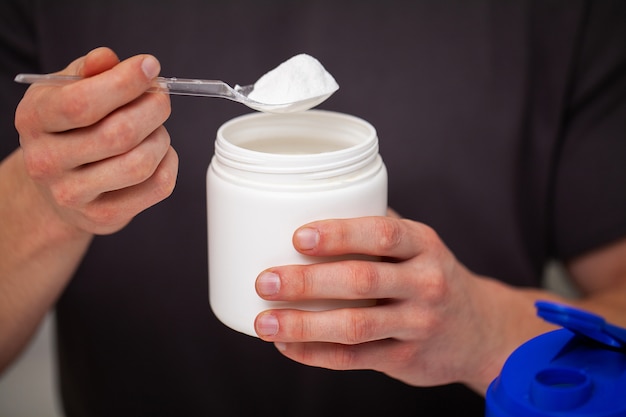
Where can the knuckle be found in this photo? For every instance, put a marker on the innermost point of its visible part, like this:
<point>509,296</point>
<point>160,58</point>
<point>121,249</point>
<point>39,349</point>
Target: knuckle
<point>428,324</point>
<point>430,236</point>
<point>403,354</point>
<point>164,183</point>
<point>364,279</point>
<point>299,329</point>
<point>163,104</point>
<point>303,284</point>
<point>25,120</point>
<point>120,136</point>
<point>118,80</point>
<point>389,233</point>
<point>39,165</point>
<point>144,161</point>
<point>307,355</point>
<point>358,328</point>
<point>139,166</point>
<point>65,195</point>
<point>344,357</point>
<point>101,216</point>
<point>435,288</point>
<point>76,109</point>
<point>30,113</point>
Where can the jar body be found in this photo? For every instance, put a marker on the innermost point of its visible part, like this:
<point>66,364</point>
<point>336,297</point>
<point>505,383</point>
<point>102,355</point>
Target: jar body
<point>252,215</point>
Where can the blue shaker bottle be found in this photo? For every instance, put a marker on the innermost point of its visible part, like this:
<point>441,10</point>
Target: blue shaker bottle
<point>579,370</point>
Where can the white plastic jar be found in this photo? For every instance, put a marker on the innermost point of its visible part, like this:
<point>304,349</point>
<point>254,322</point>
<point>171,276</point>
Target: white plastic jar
<point>272,173</point>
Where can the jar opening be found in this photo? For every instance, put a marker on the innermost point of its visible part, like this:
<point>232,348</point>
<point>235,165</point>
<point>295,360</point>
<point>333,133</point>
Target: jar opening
<point>291,144</point>
<point>308,142</point>
<point>301,148</point>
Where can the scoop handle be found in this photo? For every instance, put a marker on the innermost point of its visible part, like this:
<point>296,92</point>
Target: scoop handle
<point>177,86</point>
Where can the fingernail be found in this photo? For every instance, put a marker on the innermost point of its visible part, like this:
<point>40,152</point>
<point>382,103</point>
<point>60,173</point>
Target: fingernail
<point>150,67</point>
<point>307,238</point>
<point>267,325</point>
<point>268,284</point>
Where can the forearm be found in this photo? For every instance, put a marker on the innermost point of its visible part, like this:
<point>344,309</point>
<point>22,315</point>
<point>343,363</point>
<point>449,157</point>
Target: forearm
<point>601,277</point>
<point>510,320</point>
<point>610,304</point>
<point>516,320</point>
<point>38,255</point>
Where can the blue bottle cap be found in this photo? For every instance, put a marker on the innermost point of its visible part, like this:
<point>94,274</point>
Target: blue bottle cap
<point>583,323</point>
<point>576,371</point>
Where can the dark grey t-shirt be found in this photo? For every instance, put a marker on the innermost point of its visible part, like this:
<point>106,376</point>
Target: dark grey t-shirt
<point>502,126</point>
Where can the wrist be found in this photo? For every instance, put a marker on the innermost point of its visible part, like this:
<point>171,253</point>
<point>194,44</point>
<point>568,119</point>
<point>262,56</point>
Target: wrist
<point>509,320</point>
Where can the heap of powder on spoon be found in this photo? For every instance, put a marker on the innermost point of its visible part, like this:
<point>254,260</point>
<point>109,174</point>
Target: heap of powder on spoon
<point>299,78</point>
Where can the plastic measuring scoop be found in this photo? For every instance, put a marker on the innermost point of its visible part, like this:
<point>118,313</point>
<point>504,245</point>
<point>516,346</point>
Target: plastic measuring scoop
<point>191,87</point>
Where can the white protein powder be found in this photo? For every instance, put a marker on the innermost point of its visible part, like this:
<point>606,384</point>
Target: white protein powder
<point>299,78</point>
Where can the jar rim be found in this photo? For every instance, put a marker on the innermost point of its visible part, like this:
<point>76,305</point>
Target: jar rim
<point>344,141</point>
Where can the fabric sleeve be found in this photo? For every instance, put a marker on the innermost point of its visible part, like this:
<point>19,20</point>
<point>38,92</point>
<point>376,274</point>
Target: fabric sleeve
<point>590,178</point>
<point>18,49</point>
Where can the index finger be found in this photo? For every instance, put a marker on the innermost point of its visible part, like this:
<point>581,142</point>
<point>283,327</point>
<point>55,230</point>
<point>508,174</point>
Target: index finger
<point>375,236</point>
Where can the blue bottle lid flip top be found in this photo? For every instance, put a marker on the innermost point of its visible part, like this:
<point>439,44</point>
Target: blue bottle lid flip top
<point>579,370</point>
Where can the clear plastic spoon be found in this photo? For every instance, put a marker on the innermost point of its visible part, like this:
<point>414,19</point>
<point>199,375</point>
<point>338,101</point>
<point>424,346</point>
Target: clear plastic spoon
<point>190,87</point>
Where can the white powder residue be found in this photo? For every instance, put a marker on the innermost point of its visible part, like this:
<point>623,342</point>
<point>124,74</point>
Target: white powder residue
<point>299,78</point>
